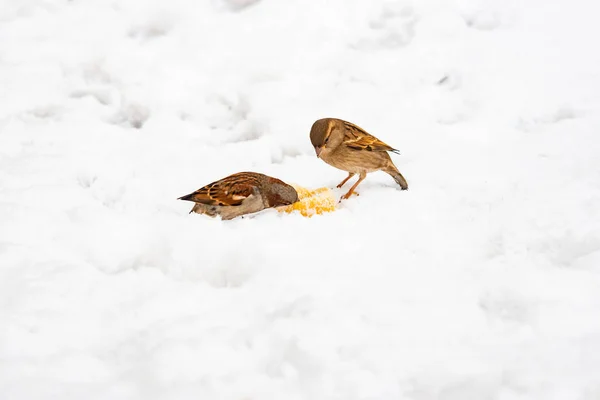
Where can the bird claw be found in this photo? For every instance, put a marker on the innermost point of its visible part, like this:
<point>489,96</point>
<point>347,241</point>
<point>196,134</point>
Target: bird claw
<point>348,195</point>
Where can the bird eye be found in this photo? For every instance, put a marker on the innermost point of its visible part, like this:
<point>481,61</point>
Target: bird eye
<point>326,140</point>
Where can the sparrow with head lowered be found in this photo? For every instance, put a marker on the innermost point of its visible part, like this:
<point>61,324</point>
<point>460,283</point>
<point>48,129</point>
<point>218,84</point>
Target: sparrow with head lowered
<point>240,194</point>
<point>350,148</point>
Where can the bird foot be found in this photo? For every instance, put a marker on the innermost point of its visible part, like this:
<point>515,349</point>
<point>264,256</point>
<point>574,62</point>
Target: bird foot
<point>348,195</point>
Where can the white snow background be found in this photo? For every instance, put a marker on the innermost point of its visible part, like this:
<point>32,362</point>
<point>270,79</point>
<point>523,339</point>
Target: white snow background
<point>482,281</point>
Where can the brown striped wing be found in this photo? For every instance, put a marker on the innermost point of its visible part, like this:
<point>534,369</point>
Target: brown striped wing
<point>229,191</point>
<point>358,139</point>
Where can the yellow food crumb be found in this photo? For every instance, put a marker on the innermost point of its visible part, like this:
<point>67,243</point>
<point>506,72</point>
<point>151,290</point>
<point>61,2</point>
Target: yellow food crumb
<point>311,202</point>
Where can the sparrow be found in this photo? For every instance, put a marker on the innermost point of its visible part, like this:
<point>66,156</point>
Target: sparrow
<point>350,148</point>
<point>241,193</point>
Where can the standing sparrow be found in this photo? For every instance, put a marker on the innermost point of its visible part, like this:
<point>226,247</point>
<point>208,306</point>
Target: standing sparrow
<point>241,193</point>
<point>349,148</point>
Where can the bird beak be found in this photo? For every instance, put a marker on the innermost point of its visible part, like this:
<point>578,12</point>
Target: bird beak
<point>318,149</point>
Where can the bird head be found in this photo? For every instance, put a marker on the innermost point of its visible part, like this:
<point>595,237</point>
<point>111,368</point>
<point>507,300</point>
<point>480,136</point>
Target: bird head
<point>324,136</point>
<point>280,193</point>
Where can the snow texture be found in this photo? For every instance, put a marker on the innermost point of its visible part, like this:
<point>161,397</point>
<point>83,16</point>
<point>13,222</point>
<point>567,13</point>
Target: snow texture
<point>482,281</point>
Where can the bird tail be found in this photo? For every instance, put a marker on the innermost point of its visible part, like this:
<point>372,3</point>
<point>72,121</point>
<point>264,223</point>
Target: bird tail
<point>394,173</point>
<point>189,197</point>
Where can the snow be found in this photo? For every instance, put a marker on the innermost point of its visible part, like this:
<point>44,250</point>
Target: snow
<point>482,281</point>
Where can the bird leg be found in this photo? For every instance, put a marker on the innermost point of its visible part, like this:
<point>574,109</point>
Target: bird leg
<point>350,175</point>
<point>363,175</point>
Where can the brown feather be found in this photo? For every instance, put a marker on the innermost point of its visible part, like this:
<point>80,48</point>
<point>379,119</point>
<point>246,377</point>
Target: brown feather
<point>358,139</point>
<point>229,191</point>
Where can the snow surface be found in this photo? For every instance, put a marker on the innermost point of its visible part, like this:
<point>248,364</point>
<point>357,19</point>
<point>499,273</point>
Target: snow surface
<point>482,281</point>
